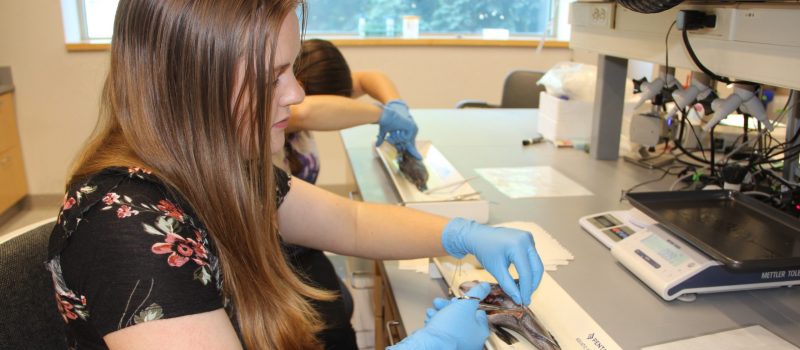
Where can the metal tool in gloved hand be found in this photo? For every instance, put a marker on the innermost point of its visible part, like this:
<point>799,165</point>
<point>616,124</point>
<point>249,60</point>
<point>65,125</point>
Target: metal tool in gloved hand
<point>503,314</point>
<point>459,325</point>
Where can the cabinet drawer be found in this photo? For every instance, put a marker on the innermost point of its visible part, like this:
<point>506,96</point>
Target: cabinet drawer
<point>8,122</point>
<point>13,185</point>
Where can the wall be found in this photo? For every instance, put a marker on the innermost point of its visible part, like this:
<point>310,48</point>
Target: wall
<point>57,92</point>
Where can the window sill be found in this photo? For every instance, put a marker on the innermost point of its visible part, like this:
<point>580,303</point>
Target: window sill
<point>381,41</point>
<point>445,41</point>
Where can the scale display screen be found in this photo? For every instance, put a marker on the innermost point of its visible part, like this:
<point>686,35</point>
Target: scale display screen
<point>738,231</point>
<point>665,250</point>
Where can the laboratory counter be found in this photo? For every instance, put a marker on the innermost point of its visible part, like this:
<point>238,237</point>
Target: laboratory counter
<point>631,313</point>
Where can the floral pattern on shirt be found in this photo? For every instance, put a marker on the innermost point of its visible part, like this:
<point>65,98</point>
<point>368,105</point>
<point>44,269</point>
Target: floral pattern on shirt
<point>71,306</point>
<point>155,258</point>
<point>169,222</point>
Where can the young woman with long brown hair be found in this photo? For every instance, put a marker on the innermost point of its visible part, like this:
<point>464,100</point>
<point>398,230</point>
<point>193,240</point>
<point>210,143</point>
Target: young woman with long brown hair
<point>169,236</point>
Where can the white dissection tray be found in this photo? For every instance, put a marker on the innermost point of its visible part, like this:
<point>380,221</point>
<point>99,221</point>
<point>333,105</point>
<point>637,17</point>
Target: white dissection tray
<point>449,194</point>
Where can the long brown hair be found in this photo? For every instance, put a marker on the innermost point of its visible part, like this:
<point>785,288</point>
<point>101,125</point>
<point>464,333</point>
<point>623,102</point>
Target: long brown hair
<point>170,104</point>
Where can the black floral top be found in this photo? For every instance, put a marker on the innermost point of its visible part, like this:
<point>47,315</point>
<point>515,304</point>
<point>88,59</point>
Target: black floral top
<point>127,249</point>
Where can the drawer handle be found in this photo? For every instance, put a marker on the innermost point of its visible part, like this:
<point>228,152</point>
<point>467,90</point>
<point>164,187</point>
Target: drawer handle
<point>389,326</point>
<point>359,274</point>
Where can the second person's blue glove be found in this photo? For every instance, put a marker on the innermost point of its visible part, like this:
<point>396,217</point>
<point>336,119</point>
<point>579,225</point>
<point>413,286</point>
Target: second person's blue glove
<point>455,325</point>
<point>496,248</point>
<point>398,127</point>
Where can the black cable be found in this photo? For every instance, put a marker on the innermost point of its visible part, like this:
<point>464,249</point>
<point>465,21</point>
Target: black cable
<point>776,177</point>
<point>686,162</point>
<point>666,46</point>
<point>713,149</point>
<point>706,70</point>
<point>697,138</point>
<point>786,157</point>
<point>666,172</point>
<point>680,141</point>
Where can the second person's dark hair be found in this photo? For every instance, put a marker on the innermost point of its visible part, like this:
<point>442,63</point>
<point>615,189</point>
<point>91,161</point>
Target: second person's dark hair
<point>322,69</point>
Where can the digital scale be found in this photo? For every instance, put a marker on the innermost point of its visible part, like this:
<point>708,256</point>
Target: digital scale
<point>694,242</point>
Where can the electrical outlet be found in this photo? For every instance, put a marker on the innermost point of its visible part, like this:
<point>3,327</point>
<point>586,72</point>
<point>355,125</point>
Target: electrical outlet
<point>603,15</point>
<point>722,23</point>
<point>591,14</point>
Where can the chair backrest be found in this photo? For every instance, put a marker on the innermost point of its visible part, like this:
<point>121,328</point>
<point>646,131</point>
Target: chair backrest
<point>30,318</point>
<point>520,89</point>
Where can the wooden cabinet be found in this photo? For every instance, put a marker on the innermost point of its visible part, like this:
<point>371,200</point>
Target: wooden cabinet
<point>13,184</point>
<point>388,326</point>
<point>8,122</point>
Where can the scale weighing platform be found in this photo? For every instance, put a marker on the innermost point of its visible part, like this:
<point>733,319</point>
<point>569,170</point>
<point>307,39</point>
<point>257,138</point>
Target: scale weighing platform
<point>685,243</point>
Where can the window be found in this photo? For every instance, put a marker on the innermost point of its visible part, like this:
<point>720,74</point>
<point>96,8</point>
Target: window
<point>93,20</point>
<point>98,18</point>
<point>437,17</point>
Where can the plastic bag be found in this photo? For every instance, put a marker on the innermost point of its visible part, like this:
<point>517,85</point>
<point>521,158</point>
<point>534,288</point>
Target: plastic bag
<point>570,80</point>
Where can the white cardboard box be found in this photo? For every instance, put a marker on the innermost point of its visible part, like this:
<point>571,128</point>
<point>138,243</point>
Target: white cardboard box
<point>571,119</point>
<point>564,120</point>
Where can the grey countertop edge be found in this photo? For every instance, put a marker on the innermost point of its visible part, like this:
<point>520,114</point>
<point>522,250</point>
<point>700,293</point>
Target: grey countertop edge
<point>6,88</point>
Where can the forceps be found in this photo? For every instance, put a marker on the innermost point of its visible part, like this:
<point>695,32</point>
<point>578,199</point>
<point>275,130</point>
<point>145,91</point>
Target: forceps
<point>455,184</point>
<point>488,307</point>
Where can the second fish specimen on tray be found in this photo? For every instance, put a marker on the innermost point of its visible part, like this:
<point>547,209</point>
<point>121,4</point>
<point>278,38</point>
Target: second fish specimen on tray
<point>413,169</point>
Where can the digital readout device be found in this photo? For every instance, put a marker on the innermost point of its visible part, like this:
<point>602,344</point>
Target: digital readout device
<point>674,269</point>
<point>612,226</point>
<point>693,242</point>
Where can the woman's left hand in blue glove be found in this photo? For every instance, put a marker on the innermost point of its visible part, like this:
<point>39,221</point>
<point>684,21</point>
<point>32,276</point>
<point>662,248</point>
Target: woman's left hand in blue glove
<point>496,248</point>
<point>453,325</point>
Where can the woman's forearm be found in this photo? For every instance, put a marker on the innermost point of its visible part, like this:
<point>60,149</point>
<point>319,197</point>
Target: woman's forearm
<point>314,218</point>
<point>330,112</point>
<point>391,232</point>
<point>375,84</point>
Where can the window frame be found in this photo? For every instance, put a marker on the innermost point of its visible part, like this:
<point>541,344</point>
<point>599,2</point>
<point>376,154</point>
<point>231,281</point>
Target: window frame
<point>556,36</point>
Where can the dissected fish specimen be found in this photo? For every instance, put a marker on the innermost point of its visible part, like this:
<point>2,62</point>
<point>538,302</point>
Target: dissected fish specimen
<point>503,313</point>
<point>413,169</point>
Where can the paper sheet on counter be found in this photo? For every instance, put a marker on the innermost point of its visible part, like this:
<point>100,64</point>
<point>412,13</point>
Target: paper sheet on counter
<point>535,181</point>
<point>418,265</point>
<point>552,253</point>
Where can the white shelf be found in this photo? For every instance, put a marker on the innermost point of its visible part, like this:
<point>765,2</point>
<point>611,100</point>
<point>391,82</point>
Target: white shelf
<point>756,42</point>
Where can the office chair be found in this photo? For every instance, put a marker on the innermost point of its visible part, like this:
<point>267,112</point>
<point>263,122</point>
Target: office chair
<point>27,300</point>
<point>519,91</point>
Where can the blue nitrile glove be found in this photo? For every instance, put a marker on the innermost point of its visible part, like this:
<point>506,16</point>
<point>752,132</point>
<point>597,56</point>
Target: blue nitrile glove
<point>496,248</point>
<point>397,127</point>
<point>458,325</point>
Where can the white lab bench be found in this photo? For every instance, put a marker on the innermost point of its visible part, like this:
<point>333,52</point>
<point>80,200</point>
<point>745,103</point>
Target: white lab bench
<point>628,310</point>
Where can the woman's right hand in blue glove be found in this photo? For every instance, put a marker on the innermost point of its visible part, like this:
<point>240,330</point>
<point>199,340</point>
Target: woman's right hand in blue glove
<point>496,248</point>
<point>397,127</point>
<point>457,325</point>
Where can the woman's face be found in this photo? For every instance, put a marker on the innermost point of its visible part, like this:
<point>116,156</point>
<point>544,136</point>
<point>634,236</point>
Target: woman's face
<point>287,90</point>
